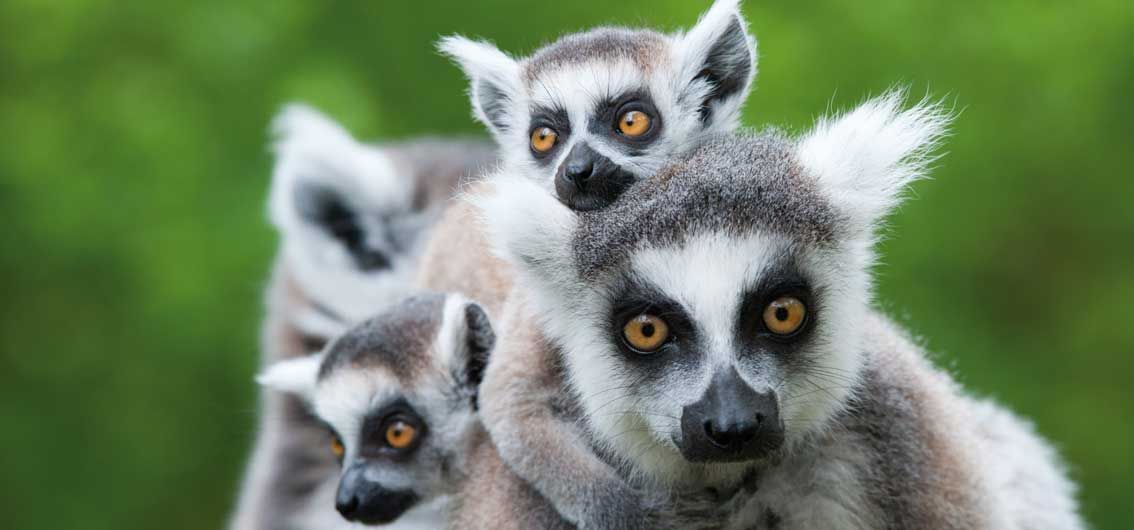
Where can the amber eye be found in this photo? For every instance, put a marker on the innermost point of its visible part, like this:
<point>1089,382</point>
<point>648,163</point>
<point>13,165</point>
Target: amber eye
<point>543,139</point>
<point>337,448</point>
<point>645,333</point>
<point>785,315</point>
<point>400,434</point>
<point>634,123</point>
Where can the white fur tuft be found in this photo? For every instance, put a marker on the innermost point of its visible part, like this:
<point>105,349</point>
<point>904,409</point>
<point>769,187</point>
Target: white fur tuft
<point>865,158</point>
<point>485,66</point>
<point>694,48</point>
<point>527,226</point>
<point>294,376</point>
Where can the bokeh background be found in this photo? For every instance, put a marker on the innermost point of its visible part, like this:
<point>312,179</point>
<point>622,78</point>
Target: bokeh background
<point>134,166</point>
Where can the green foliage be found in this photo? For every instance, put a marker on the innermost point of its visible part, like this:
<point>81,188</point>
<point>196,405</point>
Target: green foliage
<point>133,170</point>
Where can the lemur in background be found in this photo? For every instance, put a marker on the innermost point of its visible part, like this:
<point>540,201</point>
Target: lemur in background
<point>352,218</point>
<point>398,392</point>
<point>593,112</point>
<point>712,328</point>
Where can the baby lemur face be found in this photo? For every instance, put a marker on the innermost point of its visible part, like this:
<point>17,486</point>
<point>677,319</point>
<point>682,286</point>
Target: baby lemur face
<point>398,396</point>
<point>593,112</point>
<point>711,314</point>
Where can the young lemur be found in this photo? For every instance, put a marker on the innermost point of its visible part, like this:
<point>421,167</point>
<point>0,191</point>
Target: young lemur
<point>352,218</point>
<point>712,328</point>
<point>398,392</point>
<point>591,113</point>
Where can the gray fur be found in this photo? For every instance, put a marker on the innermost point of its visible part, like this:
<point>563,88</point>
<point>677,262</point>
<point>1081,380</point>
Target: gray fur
<point>733,184</point>
<point>397,339</point>
<point>642,46</point>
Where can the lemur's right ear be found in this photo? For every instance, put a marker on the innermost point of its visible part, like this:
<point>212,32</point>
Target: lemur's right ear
<point>494,80</point>
<point>718,60</point>
<point>467,340</point>
<point>293,376</point>
<point>326,187</point>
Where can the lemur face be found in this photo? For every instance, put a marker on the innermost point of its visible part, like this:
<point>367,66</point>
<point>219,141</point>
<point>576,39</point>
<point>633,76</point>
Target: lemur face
<point>591,113</point>
<point>398,396</point>
<point>711,314</point>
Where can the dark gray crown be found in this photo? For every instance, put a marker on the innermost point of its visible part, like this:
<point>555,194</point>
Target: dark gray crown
<point>737,184</point>
<point>642,46</point>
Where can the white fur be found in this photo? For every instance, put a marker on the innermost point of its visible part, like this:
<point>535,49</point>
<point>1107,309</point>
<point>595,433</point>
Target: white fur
<point>293,376</point>
<point>865,158</point>
<point>483,62</point>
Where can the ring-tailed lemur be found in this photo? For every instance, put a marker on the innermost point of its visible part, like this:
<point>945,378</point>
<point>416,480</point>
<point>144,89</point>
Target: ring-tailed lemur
<point>351,217</point>
<point>713,327</point>
<point>397,393</point>
<point>594,111</point>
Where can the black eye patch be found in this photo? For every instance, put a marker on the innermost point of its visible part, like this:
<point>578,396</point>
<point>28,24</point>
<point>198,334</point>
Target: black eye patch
<point>325,208</point>
<point>635,298</point>
<point>785,280</point>
<point>374,443</point>
<point>608,112</point>
<point>555,119</point>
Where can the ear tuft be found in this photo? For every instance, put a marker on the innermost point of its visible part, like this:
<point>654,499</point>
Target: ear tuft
<point>526,226</point>
<point>718,56</point>
<point>865,158</point>
<point>293,376</point>
<point>494,79</point>
<point>480,339</point>
<point>465,343</point>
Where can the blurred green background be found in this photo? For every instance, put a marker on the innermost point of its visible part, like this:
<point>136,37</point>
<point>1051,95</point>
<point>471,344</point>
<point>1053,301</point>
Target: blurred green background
<point>133,172</point>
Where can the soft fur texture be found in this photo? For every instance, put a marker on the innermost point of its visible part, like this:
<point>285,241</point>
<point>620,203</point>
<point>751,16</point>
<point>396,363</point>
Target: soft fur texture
<point>696,81</point>
<point>875,437</point>
<point>318,288</point>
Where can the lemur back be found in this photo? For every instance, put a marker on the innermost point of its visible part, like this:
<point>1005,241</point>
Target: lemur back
<point>353,219</point>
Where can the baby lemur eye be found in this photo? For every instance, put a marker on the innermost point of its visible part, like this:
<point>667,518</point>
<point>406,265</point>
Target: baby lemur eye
<point>400,434</point>
<point>337,448</point>
<point>785,315</point>
<point>634,123</point>
<point>645,333</point>
<point>543,139</point>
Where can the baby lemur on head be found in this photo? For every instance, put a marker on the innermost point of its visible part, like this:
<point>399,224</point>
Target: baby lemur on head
<point>593,112</point>
<point>397,394</point>
<point>713,328</point>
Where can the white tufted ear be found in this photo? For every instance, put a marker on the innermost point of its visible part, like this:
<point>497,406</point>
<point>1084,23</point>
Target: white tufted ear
<point>494,80</point>
<point>293,376</point>
<point>864,159</point>
<point>528,227</point>
<point>718,61</point>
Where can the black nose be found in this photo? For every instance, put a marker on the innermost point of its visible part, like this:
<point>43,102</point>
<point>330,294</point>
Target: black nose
<point>731,422</point>
<point>365,501</point>
<point>587,180</point>
<point>578,172</point>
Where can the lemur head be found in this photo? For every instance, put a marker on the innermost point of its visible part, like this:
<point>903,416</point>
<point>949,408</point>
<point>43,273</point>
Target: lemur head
<point>592,112</point>
<point>398,395</point>
<point>344,211</point>
<point>713,314</point>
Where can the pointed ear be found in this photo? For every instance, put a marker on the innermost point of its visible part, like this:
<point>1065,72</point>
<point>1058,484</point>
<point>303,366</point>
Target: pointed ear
<point>324,183</point>
<point>293,376</point>
<point>494,80</point>
<point>864,159</point>
<point>467,340</point>
<point>529,228</point>
<point>718,60</point>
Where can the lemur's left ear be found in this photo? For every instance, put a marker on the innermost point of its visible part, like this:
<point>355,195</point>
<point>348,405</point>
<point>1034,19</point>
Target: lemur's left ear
<point>293,376</point>
<point>529,228</point>
<point>466,341</point>
<point>494,80</point>
<point>718,60</point>
<point>864,159</point>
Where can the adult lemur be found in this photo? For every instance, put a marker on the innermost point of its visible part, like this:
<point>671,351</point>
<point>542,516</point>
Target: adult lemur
<point>712,329</point>
<point>351,218</point>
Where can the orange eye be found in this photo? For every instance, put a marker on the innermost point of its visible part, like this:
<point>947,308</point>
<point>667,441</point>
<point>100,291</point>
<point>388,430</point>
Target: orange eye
<point>400,434</point>
<point>337,448</point>
<point>645,333</point>
<point>634,123</point>
<point>785,315</point>
<point>543,139</point>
